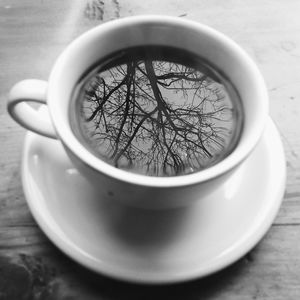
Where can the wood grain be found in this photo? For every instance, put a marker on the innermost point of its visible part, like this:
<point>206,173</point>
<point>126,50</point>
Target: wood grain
<point>267,272</point>
<point>32,34</point>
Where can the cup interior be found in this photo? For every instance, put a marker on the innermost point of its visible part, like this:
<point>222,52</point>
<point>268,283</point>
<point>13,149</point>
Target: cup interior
<point>202,40</point>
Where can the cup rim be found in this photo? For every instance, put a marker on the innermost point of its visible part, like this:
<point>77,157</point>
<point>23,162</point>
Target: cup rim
<point>71,143</point>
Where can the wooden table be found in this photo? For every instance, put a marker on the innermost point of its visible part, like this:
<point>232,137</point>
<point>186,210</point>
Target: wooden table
<point>32,34</point>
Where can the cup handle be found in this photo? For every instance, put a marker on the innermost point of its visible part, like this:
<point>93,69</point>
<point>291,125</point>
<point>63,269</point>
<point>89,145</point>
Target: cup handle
<point>30,90</point>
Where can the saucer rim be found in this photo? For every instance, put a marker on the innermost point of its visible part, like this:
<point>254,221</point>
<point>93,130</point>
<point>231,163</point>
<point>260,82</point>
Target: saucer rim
<point>241,247</point>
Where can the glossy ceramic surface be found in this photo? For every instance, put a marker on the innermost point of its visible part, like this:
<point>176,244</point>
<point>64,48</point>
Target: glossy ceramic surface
<point>87,50</point>
<point>153,246</point>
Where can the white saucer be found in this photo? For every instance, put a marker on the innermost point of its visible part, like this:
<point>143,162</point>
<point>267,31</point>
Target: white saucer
<point>153,246</point>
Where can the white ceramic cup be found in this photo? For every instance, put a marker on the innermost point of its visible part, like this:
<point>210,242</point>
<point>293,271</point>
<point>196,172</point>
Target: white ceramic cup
<point>97,43</point>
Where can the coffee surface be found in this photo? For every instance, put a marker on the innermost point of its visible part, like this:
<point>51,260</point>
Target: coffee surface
<point>156,111</point>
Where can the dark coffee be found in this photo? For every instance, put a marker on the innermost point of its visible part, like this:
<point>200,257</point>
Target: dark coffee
<point>157,111</point>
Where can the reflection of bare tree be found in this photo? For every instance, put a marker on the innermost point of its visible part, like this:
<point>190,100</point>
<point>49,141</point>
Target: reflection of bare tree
<point>163,117</point>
